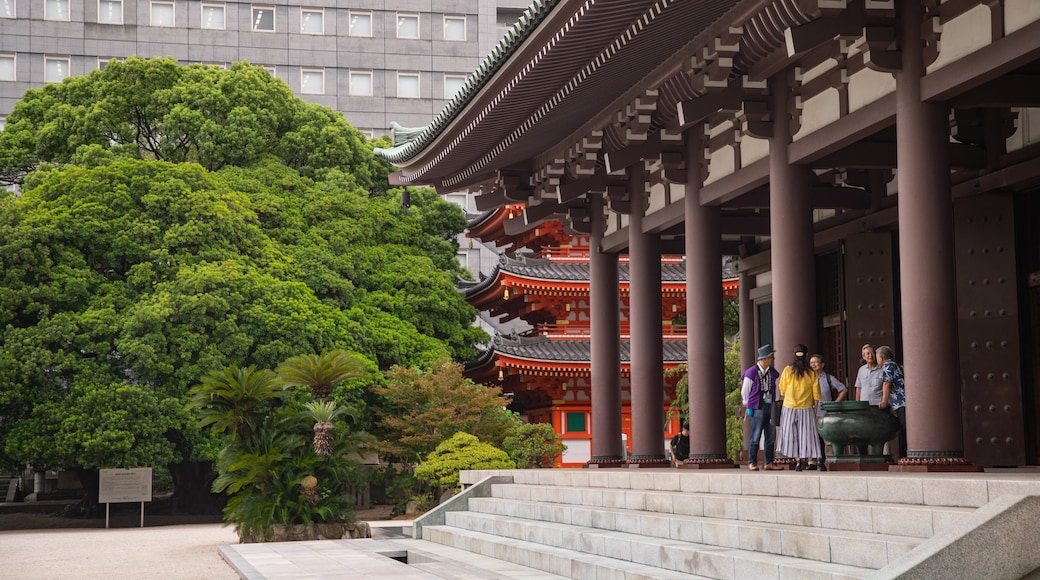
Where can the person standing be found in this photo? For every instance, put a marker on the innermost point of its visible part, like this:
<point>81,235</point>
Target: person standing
<point>868,383</point>
<point>758,393</point>
<point>680,445</point>
<point>893,394</point>
<point>800,389</point>
<point>831,389</point>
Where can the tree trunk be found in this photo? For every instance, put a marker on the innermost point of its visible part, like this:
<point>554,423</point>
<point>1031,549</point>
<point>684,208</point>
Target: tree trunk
<point>89,479</point>
<point>192,489</point>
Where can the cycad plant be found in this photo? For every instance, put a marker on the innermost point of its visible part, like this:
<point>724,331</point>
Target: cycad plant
<point>230,399</point>
<point>320,372</point>
<point>323,413</point>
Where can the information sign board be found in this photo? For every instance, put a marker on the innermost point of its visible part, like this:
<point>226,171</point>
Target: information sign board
<point>125,485</point>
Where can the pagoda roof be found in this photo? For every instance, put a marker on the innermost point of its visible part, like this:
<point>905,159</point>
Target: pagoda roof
<point>542,349</point>
<point>544,269</point>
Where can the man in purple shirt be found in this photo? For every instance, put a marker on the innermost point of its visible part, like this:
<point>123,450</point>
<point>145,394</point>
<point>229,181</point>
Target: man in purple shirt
<point>758,393</point>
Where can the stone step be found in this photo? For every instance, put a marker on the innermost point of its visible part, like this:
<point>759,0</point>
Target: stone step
<point>872,517</point>
<point>633,532</point>
<point>647,557</point>
<point>937,490</point>
<point>551,559</point>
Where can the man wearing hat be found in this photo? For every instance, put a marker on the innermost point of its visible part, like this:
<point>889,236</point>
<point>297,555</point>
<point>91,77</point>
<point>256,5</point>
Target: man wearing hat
<point>758,393</point>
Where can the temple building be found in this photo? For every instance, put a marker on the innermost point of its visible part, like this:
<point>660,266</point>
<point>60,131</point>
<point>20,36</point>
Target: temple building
<point>874,164</point>
<point>544,281</point>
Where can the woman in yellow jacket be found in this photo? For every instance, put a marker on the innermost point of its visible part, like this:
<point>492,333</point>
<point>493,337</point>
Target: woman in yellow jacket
<point>800,389</point>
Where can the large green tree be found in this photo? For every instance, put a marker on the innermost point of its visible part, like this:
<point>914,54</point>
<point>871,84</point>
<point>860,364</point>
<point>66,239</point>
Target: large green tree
<point>173,221</point>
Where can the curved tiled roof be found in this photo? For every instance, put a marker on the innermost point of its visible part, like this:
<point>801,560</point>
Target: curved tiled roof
<point>409,141</point>
<point>564,62</point>
<point>546,269</point>
<point>540,348</point>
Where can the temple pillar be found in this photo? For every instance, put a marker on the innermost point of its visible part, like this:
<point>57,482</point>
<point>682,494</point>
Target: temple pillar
<point>605,321</point>
<point>647,351</point>
<point>927,266</point>
<point>790,234</point>
<point>747,337</point>
<point>704,345</point>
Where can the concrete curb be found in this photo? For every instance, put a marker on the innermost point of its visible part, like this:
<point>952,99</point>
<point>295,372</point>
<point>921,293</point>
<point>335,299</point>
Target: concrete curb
<point>458,502</point>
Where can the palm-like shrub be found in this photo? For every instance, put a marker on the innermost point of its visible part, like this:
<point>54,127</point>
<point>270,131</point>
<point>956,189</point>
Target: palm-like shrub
<point>230,399</point>
<point>323,413</point>
<point>268,469</point>
<point>320,372</point>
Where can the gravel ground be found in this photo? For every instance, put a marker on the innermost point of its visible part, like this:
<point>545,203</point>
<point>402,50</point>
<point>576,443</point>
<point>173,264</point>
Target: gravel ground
<point>184,551</point>
<point>42,547</point>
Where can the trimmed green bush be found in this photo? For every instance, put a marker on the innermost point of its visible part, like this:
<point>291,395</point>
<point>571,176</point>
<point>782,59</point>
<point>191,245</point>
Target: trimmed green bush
<point>461,451</point>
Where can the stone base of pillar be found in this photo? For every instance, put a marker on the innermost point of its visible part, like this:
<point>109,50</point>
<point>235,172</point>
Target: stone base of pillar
<point>935,465</point>
<point>857,466</point>
<point>708,463</point>
<point>934,462</point>
<point>606,463</point>
<point>645,461</point>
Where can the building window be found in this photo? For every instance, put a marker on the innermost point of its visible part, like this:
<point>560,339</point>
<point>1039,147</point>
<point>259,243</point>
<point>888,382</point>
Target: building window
<point>408,85</point>
<point>3,122</point>
<point>270,68</point>
<point>454,28</point>
<point>7,9</point>
<point>263,18</point>
<point>56,10</point>
<point>360,24</point>
<point>575,422</point>
<point>162,14</point>
<point>213,16</point>
<point>407,25</point>
<point>506,18</point>
<point>312,21</point>
<point>103,62</point>
<point>55,69</point>
<point>110,12</point>
<point>7,69</point>
<point>312,81</point>
<point>453,84</point>
<point>361,83</point>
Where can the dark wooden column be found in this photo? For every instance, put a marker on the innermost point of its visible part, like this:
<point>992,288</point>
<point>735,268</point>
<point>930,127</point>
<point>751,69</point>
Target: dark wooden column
<point>647,352</point>
<point>790,234</point>
<point>605,308</point>
<point>748,344</point>
<point>704,345</point>
<point>927,268</point>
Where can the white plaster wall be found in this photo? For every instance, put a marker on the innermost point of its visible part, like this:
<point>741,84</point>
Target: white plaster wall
<point>720,164</point>
<point>1028,129</point>
<point>867,86</point>
<point>658,198</point>
<point>612,223</point>
<point>764,279</point>
<point>819,111</point>
<point>578,450</point>
<point>1019,13</point>
<point>676,192</point>
<point>962,36</point>
<point>752,149</point>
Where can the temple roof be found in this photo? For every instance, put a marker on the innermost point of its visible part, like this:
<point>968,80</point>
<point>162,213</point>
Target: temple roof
<point>541,348</point>
<point>546,269</point>
<point>563,65</point>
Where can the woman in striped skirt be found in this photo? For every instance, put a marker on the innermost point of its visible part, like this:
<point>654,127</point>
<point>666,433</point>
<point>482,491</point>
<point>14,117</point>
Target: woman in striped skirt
<point>800,389</point>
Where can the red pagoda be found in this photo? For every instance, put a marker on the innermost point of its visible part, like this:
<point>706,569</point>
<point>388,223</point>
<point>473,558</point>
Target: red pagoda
<point>544,281</point>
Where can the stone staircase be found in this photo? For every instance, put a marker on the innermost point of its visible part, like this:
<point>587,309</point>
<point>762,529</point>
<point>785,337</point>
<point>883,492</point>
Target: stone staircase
<point>666,523</point>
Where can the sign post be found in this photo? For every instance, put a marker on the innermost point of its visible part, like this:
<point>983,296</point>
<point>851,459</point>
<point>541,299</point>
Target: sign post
<point>125,486</point>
